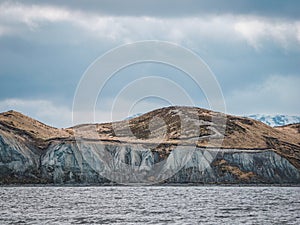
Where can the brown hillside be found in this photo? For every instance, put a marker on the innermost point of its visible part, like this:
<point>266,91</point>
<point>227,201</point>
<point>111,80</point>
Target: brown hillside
<point>171,125</point>
<point>25,126</point>
<point>165,125</point>
<point>292,130</point>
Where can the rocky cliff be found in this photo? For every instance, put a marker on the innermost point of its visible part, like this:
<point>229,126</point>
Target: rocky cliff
<point>169,145</point>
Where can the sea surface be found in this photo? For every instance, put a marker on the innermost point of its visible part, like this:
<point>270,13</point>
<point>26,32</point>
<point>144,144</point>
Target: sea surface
<point>150,205</point>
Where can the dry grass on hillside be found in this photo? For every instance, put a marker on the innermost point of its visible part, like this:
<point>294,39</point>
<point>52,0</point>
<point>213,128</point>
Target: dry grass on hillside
<point>165,126</point>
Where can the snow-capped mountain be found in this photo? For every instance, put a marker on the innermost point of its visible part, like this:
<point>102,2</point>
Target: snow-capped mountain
<point>275,120</point>
<point>133,116</point>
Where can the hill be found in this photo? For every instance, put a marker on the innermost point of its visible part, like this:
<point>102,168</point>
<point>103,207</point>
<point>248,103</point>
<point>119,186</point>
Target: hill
<point>249,150</point>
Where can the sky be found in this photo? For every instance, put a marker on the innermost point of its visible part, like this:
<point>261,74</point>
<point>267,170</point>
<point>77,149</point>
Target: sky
<point>252,48</point>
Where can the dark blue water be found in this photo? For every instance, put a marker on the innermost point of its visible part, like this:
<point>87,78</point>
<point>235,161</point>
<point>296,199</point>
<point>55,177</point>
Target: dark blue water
<point>150,205</point>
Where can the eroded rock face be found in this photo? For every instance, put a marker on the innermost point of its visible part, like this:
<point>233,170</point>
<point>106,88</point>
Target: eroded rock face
<point>91,163</point>
<point>65,163</point>
<point>17,161</point>
<point>238,166</point>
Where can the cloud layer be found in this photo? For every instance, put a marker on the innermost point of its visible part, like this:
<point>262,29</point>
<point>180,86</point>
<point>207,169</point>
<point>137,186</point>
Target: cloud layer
<point>253,49</point>
<point>253,29</point>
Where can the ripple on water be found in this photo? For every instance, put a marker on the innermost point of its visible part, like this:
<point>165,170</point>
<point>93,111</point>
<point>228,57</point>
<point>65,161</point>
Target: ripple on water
<point>149,205</point>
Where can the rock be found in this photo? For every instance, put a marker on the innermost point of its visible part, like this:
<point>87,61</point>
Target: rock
<point>17,161</point>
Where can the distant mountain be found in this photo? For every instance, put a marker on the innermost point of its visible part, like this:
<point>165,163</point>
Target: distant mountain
<point>275,120</point>
<point>133,116</point>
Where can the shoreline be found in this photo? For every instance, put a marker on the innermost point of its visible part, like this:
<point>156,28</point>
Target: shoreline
<point>152,185</point>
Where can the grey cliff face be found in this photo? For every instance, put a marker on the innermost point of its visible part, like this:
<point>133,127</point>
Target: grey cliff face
<point>65,162</point>
<point>238,166</point>
<point>16,159</point>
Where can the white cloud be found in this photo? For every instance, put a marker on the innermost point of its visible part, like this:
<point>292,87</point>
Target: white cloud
<point>256,31</point>
<point>43,110</point>
<point>32,14</point>
<point>224,28</point>
<point>35,17</point>
<point>278,93</point>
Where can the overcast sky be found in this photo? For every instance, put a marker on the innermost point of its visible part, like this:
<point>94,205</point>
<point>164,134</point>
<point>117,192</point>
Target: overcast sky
<point>252,47</point>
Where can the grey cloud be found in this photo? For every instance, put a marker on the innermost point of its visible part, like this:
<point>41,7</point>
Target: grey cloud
<point>178,8</point>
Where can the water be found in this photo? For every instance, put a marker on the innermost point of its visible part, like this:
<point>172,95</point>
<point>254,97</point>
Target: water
<point>150,205</point>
